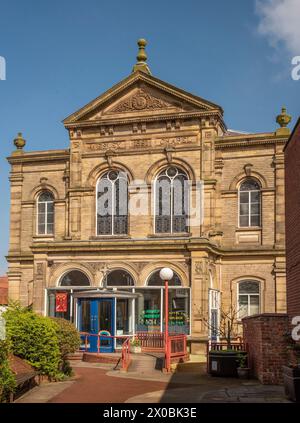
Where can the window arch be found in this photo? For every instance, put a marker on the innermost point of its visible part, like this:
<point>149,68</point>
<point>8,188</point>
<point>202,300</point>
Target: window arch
<point>248,298</point>
<point>74,278</point>
<point>155,279</point>
<point>249,203</point>
<point>112,203</point>
<point>119,277</point>
<point>45,213</point>
<point>171,201</point>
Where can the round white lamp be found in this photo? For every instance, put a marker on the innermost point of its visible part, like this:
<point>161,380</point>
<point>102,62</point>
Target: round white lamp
<point>166,274</point>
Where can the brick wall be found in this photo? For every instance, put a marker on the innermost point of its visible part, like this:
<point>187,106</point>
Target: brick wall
<point>292,210</point>
<point>264,337</point>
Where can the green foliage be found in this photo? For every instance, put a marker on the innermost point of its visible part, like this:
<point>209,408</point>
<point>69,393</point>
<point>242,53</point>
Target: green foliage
<point>34,338</point>
<point>68,337</point>
<point>242,360</point>
<point>7,378</point>
<point>135,342</point>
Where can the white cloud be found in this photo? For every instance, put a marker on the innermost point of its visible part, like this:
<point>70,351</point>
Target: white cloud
<point>280,22</point>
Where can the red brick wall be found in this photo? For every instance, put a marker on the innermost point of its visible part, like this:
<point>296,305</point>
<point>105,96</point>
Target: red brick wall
<point>292,221</point>
<point>264,337</point>
<point>3,290</point>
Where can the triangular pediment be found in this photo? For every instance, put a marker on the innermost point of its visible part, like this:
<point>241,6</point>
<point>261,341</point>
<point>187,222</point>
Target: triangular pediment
<point>140,94</point>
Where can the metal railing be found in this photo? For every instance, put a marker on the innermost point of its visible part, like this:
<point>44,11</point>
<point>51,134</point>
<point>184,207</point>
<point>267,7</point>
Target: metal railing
<point>125,354</point>
<point>151,341</point>
<point>176,348</point>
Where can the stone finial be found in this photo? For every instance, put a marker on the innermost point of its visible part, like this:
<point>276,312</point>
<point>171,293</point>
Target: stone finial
<point>141,64</point>
<point>19,141</point>
<point>283,119</point>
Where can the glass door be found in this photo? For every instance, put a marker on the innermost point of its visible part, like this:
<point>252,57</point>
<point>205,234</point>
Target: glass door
<point>96,316</point>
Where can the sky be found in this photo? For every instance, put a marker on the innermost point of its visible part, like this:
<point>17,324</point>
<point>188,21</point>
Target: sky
<point>60,54</point>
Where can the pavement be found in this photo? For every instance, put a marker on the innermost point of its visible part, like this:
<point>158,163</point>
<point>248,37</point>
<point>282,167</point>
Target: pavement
<point>98,383</point>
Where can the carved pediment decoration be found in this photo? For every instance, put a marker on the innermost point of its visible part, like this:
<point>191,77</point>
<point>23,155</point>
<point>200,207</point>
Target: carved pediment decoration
<point>141,100</point>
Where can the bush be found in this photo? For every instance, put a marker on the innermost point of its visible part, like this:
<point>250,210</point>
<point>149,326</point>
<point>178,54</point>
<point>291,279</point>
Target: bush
<point>34,338</point>
<point>68,341</point>
<point>68,337</point>
<point>7,378</point>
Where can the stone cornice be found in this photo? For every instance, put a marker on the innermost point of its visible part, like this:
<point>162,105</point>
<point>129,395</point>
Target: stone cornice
<point>146,118</point>
<point>248,141</point>
<point>137,245</point>
<point>47,155</point>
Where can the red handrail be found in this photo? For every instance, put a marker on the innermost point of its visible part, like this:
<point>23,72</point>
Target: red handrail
<point>126,358</point>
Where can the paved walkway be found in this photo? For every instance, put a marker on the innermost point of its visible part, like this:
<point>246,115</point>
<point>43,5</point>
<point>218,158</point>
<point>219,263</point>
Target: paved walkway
<point>94,383</point>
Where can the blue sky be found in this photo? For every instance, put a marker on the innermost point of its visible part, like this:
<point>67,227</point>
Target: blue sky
<point>61,54</point>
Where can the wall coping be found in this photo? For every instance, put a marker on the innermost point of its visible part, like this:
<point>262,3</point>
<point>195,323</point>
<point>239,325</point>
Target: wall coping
<point>265,316</point>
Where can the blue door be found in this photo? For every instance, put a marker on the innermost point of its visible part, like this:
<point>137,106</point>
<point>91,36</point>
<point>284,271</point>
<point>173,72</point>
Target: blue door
<point>97,316</point>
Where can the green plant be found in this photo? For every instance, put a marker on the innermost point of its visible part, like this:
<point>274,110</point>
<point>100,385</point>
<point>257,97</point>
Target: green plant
<point>7,378</point>
<point>34,338</point>
<point>68,341</point>
<point>242,360</point>
<point>135,342</point>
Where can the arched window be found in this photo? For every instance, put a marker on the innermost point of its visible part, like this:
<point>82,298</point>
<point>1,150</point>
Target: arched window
<point>45,212</point>
<point>119,277</point>
<point>248,298</point>
<point>171,201</point>
<point>155,280</point>
<point>112,203</point>
<point>75,278</point>
<point>249,199</point>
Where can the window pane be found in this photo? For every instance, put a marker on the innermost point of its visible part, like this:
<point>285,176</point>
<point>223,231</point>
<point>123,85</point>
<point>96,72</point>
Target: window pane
<point>244,209</point>
<point>244,221</point>
<point>255,197</point>
<point>75,278</point>
<point>41,228</point>
<point>50,217</point>
<point>119,278</point>
<point>50,207</point>
<point>41,207</point>
<point>248,287</point>
<point>50,228</point>
<point>255,209</point>
<point>249,185</point>
<point>243,306</point>
<point>155,280</point>
<point>147,310</point>
<point>45,196</point>
<point>255,221</point>
<point>254,304</point>
<point>244,197</point>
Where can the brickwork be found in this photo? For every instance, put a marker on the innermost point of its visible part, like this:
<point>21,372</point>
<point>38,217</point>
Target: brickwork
<point>292,210</point>
<point>264,337</point>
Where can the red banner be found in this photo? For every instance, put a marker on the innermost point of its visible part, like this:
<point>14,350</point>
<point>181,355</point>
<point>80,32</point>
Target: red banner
<point>61,302</point>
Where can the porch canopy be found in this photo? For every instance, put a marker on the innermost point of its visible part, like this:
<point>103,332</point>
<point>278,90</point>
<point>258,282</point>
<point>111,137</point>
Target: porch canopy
<point>105,293</point>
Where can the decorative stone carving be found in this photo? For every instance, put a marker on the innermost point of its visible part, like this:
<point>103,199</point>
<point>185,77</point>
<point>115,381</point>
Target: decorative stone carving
<point>140,101</point>
<point>247,169</point>
<point>39,270</point>
<point>140,265</point>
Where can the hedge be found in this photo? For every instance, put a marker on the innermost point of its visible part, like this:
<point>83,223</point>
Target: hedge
<point>34,338</point>
<point>7,377</point>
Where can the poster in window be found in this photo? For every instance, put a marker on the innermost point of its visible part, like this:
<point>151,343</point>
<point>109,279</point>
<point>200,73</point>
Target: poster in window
<point>61,302</point>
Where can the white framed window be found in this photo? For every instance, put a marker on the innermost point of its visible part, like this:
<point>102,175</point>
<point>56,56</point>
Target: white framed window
<point>171,201</point>
<point>248,298</point>
<point>45,213</point>
<point>112,204</point>
<point>249,204</point>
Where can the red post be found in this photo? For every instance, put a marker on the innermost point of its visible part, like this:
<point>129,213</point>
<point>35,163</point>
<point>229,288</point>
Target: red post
<point>167,325</point>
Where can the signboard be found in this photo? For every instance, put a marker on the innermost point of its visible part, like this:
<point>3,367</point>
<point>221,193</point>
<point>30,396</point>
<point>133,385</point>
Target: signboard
<point>61,302</point>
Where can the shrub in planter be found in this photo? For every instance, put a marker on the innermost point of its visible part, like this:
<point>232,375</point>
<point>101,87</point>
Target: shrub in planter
<point>7,378</point>
<point>68,341</point>
<point>34,338</point>
<point>135,345</point>
<point>242,370</point>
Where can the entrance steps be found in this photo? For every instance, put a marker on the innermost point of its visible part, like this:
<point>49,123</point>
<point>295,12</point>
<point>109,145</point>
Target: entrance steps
<point>146,363</point>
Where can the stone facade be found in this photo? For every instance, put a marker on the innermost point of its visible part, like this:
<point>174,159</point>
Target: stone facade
<point>142,125</point>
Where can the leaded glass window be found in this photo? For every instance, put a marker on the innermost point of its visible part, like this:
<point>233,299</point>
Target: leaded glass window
<point>112,204</point>
<point>171,201</point>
